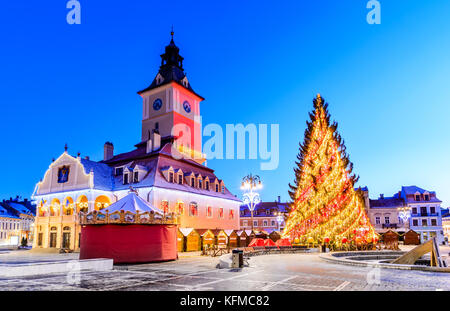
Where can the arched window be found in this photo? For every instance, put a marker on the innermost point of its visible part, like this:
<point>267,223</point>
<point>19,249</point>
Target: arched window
<point>68,206</point>
<point>82,204</point>
<point>55,207</point>
<point>101,202</point>
<point>66,228</point>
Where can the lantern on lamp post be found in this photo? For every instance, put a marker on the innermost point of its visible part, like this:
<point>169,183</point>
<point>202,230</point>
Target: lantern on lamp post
<point>249,185</point>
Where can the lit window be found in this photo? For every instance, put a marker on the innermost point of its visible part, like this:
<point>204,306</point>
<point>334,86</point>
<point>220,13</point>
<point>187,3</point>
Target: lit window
<point>165,206</point>
<point>209,211</point>
<point>193,209</point>
<point>221,212</point>
<point>231,214</point>
<point>180,208</point>
<point>245,223</point>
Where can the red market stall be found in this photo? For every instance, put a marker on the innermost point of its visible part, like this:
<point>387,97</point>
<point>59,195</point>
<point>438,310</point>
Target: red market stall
<point>129,231</point>
<point>269,242</point>
<point>283,242</point>
<point>256,242</point>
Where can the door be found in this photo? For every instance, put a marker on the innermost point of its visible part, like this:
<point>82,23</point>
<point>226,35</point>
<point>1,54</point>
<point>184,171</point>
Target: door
<point>53,239</point>
<point>66,240</point>
<point>40,239</point>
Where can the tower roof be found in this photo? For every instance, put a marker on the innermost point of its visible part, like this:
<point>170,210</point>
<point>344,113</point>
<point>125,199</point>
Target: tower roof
<point>171,69</point>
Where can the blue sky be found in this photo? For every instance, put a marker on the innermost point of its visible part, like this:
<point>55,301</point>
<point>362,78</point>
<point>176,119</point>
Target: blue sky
<point>253,61</point>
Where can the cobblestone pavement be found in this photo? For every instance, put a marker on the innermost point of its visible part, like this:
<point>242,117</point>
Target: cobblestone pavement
<point>286,272</point>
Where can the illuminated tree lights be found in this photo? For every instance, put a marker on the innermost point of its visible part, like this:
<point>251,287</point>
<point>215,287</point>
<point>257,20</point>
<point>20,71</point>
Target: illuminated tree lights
<point>325,206</point>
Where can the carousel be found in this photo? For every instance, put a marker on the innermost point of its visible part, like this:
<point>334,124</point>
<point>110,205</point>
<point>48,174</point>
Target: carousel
<point>129,231</point>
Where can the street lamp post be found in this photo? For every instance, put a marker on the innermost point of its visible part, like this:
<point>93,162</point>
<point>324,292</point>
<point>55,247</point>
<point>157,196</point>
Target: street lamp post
<point>250,184</point>
<point>279,220</point>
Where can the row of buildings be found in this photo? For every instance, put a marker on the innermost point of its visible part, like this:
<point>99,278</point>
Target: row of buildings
<point>410,208</point>
<point>16,221</point>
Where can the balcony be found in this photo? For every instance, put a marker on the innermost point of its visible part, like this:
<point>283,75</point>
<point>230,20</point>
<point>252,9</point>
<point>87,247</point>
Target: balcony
<point>390,226</point>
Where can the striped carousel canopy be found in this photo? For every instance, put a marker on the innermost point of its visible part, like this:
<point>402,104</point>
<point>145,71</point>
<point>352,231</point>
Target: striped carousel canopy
<point>133,203</point>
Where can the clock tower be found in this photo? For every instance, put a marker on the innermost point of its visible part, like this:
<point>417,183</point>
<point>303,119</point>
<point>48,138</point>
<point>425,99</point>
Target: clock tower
<point>171,107</point>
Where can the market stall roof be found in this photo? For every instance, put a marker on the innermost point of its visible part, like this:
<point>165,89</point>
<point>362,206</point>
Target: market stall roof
<point>269,242</point>
<point>228,232</point>
<point>133,203</point>
<point>186,231</point>
<point>256,242</point>
<point>283,242</point>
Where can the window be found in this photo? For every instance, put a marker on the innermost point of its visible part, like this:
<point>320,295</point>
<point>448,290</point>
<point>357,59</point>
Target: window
<point>417,197</point>
<point>193,209</point>
<point>255,223</point>
<point>165,206</point>
<point>180,208</point>
<point>424,223</point>
<point>273,223</point>
<point>157,126</point>
<point>192,182</point>
<point>433,222</point>
<point>180,179</point>
<point>125,179</point>
<point>207,185</point>
<point>267,212</point>
<point>200,184</point>
<point>377,220</point>
<point>170,176</point>
<point>427,197</point>
<point>432,210</point>
<point>63,174</point>
<point>217,187</point>
<point>386,220</point>
<point>223,189</point>
<point>136,177</point>
<point>265,224</point>
<point>423,210</point>
<point>209,211</point>
<point>119,171</point>
<point>415,222</point>
<point>245,223</point>
<point>231,214</point>
<point>221,212</point>
<point>414,210</point>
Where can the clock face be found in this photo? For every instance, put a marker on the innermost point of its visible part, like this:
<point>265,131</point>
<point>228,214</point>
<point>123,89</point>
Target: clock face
<point>157,104</point>
<point>187,106</point>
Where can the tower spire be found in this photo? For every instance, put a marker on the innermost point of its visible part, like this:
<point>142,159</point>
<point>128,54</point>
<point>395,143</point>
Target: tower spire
<point>171,33</point>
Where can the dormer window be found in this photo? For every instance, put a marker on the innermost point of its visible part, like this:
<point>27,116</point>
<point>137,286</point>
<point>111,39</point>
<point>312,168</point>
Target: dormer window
<point>223,189</point>
<point>217,187</point>
<point>171,177</point>
<point>119,171</point>
<point>192,182</point>
<point>125,179</point>
<point>427,197</point>
<point>200,183</point>
<point>136,177</point>
<point>180,179</point>
<point>207,185</point>
<point>417,197</point>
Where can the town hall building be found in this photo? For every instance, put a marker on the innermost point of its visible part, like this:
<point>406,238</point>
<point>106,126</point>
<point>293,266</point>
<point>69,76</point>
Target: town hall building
<point>166,168</point>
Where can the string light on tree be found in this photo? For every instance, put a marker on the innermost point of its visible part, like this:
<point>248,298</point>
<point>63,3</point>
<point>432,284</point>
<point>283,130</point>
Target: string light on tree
<point>325,205</point>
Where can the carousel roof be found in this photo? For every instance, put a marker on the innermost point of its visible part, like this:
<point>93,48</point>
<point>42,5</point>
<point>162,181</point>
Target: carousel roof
<point>133,203</point>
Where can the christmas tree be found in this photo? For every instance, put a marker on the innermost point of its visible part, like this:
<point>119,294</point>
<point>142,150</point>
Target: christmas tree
<point>325,206</point>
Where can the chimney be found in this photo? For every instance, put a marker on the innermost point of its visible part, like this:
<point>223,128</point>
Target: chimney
<point>156,141</point>
<point>279,199</point>
<point>381,196</point>
<point>149,145</point>
<point>108,151</point>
